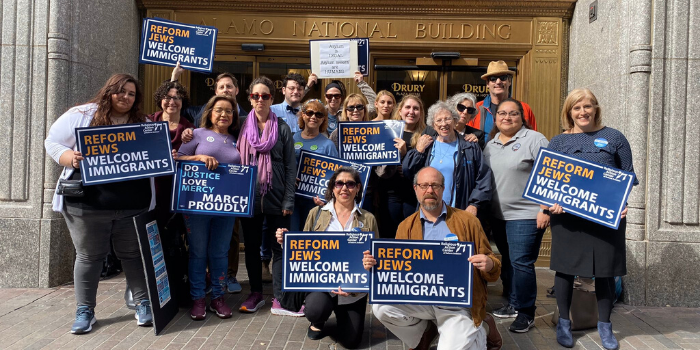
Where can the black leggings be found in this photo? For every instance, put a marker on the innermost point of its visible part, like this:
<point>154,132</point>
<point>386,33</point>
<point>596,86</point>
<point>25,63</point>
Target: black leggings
<point>350,317</point>
<point>604,292</point>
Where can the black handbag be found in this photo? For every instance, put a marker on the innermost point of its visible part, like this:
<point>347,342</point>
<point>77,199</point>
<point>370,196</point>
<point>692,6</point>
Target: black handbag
<point>70,188</point>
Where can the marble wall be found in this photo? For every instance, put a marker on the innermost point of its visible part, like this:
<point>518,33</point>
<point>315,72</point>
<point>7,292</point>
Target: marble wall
<point>54,54</point>
<point>640,58</point>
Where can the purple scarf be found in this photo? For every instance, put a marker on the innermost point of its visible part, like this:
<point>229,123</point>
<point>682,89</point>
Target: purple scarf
<point>255,150</point>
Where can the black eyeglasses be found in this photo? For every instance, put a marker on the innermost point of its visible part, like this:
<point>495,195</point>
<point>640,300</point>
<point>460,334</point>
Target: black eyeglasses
<point>167,98</point>
<point>424,187</point>
<point>350,184</point>
<point>503,77</point>
<point>265,97</point>
<point>461,108</point>
<point>355,108</point>
<point>310,113</point>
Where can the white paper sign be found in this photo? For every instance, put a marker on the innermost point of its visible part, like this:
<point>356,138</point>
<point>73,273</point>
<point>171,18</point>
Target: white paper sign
<point>333,58</point>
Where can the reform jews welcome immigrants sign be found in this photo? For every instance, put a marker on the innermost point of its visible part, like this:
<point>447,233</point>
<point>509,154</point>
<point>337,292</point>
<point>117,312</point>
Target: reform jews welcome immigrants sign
<point>421,272</point>
<point>592,191</point>
<point>370,143</point>
<point>166,43</point>
<point>116,153</point>
<point>315,170</point>
<point>227,190</point>
<point>324,261</point>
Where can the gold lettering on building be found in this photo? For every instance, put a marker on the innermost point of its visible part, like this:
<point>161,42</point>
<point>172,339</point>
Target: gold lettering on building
<point>466,31</point>
<point>475,89</point>
<point>249,27</point>
<point>404,88</point>
<point>330,29</point>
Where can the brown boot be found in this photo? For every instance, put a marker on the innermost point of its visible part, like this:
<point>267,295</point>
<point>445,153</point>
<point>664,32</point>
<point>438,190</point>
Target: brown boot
<point>266,273</point>
<point>493,338</point>
<point>428,335</point>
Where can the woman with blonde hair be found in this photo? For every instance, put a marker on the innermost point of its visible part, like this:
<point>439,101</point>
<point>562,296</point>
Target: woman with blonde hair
<point>581,247</point>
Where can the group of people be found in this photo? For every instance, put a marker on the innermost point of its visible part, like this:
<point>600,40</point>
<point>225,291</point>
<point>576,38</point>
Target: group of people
<point>465,164</point>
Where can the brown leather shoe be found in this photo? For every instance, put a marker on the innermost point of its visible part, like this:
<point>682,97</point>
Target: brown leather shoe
<point>428,335</point>
<point>493,338</point>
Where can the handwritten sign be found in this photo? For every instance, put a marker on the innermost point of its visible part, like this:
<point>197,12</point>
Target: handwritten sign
<point>333,58</point>
<point>324,261</point>
<point>166,42</point>
<point>116,153</point>
<point>315,170</point>
<point>370,143</point>
<point>421,272</point>
<point>227,190</point>
<point>589,190</point>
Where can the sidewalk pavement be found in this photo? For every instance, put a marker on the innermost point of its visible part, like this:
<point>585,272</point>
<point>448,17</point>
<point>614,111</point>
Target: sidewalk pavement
<point>41,319</point>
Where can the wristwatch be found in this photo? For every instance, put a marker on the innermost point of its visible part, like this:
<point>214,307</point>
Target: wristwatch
<point>545,211</point>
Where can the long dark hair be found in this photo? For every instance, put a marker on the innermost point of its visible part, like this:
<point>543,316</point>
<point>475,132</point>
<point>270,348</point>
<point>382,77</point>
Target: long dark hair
<point>495,130</point>
<point>103,99</point>
<point>355,176</point>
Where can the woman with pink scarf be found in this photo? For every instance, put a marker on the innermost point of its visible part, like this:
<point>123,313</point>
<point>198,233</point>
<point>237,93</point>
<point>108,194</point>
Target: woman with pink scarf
<point>265,141</point>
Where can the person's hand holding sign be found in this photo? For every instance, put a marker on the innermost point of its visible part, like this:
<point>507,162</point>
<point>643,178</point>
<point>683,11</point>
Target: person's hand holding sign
<point>71,159</point>
<point>313,79</point>
<point>358,77</point>
<point>400,144</point>
<point>340,292</point>
<point>424,142</point>
<point>556,209</point>
<point>210,162</point>
<point>481,262</point>
<point>279,234</point>
<point>368,260</point>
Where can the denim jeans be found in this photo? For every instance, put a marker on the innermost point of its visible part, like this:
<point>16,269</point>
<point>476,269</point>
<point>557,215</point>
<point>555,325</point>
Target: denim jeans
<point>253,234</point>
<point>209,237</point>
<point>519,244</point>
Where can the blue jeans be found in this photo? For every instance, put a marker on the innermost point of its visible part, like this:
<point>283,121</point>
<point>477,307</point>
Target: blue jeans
<point>519,244</point>
<point>209,237</point>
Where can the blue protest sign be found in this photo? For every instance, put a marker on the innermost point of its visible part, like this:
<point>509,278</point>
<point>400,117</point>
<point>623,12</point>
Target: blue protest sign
<point>362,55</point>
<point>324,261</point>
<point>166,42</point>
<point>592,191</point>
<point>315,170</point>
<point>227,190</point>
<point>370,143</point>
<point>421,272</point>
<point>116,153</point>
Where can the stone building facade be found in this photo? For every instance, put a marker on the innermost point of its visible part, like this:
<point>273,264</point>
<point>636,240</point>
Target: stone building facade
<point>640,57</point>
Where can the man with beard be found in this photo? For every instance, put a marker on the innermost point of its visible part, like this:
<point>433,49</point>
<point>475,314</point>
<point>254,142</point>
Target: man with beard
<point>459,328</point>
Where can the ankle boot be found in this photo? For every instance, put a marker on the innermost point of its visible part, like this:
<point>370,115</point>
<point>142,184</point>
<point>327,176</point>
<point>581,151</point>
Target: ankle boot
<point>606,336</point>
<point>564,336</point>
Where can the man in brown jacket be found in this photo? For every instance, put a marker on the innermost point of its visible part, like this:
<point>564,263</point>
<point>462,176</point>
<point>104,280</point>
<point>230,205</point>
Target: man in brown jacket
<point>459,328</point>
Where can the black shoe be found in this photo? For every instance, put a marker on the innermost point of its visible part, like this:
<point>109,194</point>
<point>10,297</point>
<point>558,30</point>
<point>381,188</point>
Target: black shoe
<point>507,311</point>
<point>522,323</point>
<point>315,335</point>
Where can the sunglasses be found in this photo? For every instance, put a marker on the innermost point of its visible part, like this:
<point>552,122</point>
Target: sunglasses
<point>355,108</point>
<point>333,96</point>
<point>264,97</point>
<point>461,108</point>
<point>503,77</point>
<point>350,184</point>
<point>310,113</point>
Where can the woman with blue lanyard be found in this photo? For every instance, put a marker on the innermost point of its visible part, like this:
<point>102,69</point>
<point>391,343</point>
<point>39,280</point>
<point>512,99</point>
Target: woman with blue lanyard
<point>581,247</point>
<point>467,177</point>
<point>313,121</point>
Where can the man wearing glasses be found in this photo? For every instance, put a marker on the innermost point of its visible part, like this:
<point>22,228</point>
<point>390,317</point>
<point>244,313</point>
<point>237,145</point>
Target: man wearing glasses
<point>498,80</point>
<point>293,90</point>
<point>459,328</point>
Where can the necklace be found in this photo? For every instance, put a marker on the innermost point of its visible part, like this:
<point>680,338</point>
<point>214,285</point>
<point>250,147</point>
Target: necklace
<point>441,154</point>
<point>226,138</point>
<point>119,120</point>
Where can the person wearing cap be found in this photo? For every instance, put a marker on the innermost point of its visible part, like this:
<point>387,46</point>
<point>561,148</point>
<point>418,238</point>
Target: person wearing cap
<point>498,80</point>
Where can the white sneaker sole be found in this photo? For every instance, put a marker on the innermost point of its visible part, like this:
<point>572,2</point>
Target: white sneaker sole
<point>92,322</point>
<point>142,324</point>
<point>285,312</point>
<point>250,311</point>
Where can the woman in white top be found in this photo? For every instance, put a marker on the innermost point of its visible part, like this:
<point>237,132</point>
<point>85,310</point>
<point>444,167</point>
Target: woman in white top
<point>342,213</point>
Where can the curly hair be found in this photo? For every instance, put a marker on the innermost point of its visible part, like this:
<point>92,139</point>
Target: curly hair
<point>163,90</point>
<point>103,99</point>
<point>262,80</point>
<point>318,105</point>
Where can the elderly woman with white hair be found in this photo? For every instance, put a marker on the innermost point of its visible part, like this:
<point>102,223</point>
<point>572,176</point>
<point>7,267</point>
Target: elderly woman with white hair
<point>467,177</point>
<point>464,105</point>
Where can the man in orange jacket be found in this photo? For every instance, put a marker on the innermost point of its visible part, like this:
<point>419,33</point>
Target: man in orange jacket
<point>498,79</point>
